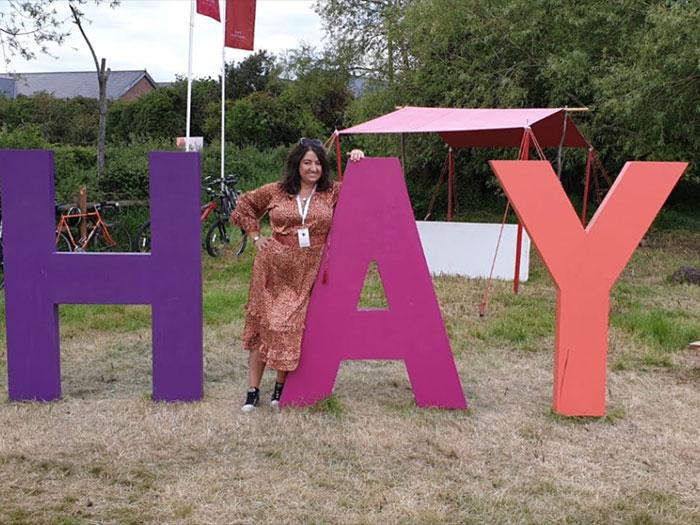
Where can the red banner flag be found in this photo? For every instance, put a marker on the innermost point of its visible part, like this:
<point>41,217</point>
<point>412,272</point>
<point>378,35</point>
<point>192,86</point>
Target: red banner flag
<point>209,8</point>
<point>240,24</point>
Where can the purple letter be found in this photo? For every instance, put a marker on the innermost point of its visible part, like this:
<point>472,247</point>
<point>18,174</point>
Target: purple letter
<point>374,222</point>
<point>38,279</point>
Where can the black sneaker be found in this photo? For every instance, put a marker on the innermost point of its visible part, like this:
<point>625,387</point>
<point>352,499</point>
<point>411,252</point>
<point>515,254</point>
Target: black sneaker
<point>251,399</point>
<point>276,395</point>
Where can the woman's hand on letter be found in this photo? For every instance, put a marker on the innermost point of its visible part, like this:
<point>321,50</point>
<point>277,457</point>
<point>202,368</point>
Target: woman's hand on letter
<point>356,155</point>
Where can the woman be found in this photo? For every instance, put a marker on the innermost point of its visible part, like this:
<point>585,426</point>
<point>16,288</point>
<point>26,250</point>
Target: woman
<point>285,267</point>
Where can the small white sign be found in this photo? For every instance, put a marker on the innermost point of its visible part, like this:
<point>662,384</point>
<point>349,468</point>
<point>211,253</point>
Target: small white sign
<point>196,143</point>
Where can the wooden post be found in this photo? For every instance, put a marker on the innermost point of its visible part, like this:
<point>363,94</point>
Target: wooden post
<point>450,184</point>
<point>589,162</point>
<point>403,153</point>
<point>338,159</point>
<point>82,204</point>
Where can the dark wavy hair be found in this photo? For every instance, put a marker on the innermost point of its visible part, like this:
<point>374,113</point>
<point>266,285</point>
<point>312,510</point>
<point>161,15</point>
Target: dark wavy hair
<point>291,181</point>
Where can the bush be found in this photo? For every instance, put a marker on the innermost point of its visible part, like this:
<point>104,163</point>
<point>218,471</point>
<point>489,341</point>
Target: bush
<point>265,121</point>
<point>126,169</point>
<point>253,166</point>
<point>25,137</point>
<point>74,166</point>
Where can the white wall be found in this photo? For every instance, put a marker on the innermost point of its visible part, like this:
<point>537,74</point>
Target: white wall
<point>467,249</point>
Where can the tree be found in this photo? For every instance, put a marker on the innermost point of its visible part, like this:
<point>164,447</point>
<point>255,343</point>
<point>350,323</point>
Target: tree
<point>28,27</point>
<point>368,34</point>
<point>634,64</point>
<point>319,82</point>
<point>265,121</point>
<point>102,76</point>
<point>257,72</point>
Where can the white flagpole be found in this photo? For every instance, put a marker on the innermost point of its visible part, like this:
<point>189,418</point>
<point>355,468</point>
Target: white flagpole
<point>223,91</point>
<point>189,78</point>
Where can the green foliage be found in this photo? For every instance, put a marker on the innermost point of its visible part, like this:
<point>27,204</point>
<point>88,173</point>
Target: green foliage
<point>254,167</point>
<point>330,405</point>
<point>160,114</point>
<point>72,121</point>
<point>25,137</point>
<point>206,94</point>
<point>648,97</point>
<point>665,330</point>
<point>265,121</point>
<point>634,65</point>
<point>256,73</point>
<point>74,166</point>
<point>319,84</point>
<point>368,36</point>
<point>121,115</point>
<point>126,169</point>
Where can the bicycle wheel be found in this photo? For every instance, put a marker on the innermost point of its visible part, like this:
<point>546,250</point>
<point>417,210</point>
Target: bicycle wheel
<point>143,237</point>
<point>118,233</point>
<point>222,237</point>
<point>63,243</point>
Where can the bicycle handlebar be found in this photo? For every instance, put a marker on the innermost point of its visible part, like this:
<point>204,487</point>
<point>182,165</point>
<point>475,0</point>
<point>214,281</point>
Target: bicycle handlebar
<point>104,205</point>
<point>228,180</point>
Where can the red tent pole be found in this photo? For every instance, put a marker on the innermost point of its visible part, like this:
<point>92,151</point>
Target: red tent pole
<point>585,189</point>
<point>450,180</point>
<point>337,156</point>
<point>524,155</point>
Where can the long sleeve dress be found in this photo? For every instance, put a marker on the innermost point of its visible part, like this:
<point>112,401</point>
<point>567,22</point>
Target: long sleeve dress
<point>283,273</point>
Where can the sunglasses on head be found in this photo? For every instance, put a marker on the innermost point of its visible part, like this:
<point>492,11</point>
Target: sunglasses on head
<point>310,142</point>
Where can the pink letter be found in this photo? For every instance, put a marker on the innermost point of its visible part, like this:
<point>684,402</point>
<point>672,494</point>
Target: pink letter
<point>374,222</point>
<point>585,263</point>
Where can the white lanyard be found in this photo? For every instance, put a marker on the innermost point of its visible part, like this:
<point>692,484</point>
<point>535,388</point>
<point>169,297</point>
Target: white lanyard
<point>306,208</point>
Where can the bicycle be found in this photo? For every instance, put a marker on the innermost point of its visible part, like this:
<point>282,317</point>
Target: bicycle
<point>103,236</point>
<point>62,245</point>
<point>221,233</point>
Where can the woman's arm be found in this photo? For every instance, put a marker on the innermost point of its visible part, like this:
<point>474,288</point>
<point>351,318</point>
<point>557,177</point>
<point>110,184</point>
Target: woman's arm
<point>251,207</point>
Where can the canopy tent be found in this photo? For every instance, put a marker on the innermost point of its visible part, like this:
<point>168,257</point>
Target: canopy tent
<point>476,128</point>
<point>484,127</point>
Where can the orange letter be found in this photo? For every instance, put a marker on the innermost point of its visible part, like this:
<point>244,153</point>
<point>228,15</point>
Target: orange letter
<point>585,263</point>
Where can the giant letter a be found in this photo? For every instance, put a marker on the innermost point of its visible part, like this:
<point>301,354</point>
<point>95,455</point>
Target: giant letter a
<point>374,222</point>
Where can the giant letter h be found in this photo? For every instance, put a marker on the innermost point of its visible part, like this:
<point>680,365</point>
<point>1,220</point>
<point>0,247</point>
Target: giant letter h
<point>37,278</point>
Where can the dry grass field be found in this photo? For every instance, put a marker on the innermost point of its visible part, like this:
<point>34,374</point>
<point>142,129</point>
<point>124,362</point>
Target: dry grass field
<point>105,453</point>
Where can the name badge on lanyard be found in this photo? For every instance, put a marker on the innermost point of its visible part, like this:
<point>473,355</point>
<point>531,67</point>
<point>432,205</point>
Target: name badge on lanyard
<point>303,232</point>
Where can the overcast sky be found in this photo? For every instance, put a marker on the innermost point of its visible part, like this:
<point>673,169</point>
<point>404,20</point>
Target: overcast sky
<point>154,35</point>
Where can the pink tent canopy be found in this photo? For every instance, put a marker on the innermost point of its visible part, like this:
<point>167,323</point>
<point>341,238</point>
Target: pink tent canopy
<point>478,128</point>
<point>473,128</point>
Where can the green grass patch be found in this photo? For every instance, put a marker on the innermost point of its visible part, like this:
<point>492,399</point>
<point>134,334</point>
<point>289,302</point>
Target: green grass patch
<point>222,306</point>
<point>331,405</point>
<point>612,416</point>
<point>523,323</point>
<point>76,319</point>
<point>670,219</point>
<point>373,294</point>
<point>661,329</point>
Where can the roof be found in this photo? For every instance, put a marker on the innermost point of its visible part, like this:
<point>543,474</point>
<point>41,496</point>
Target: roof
<point>79,83</point>
<point>7,87</point>
<point>472,128</point>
